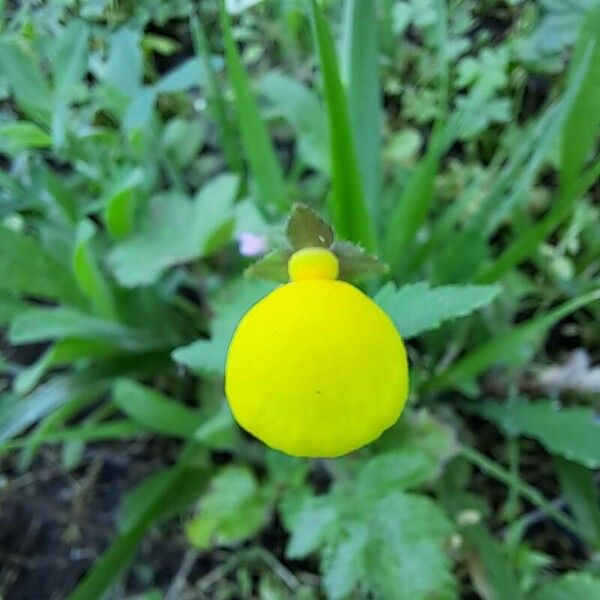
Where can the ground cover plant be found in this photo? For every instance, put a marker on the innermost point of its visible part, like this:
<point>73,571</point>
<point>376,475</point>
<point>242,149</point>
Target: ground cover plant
<point>152,154</point>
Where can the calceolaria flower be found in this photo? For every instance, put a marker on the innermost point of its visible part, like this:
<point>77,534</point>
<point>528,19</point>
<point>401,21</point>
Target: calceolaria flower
<point>316,368</point>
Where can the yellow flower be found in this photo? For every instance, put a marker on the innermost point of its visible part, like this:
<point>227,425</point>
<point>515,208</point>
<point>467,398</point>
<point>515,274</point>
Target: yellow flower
<point>316,368</point>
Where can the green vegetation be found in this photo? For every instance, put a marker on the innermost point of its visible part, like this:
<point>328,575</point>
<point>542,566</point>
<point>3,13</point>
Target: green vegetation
<point>141,141</point>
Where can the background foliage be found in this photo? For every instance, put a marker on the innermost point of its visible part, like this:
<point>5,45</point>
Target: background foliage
<point>140,140</point>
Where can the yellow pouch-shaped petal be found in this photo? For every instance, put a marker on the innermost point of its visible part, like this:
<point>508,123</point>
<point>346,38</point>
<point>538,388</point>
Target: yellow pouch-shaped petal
<point>316,368</point>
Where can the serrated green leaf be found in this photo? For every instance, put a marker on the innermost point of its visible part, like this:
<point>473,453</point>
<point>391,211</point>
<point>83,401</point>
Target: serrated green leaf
<point>208,356</point>
<point>233,509</point>
<point>573,433</point>
<point>176,230</point>
<point>416,308</point>
<point>398,470</point>
<point>405,558</point>
<point>343,570</point>
<point>272,267</point>
<point>305,229</point>
<point>573,586</point>
<point>155,411</point>
<point>310,527</point>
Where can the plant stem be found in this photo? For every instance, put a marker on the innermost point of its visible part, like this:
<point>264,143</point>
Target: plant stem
<point>530,493</point>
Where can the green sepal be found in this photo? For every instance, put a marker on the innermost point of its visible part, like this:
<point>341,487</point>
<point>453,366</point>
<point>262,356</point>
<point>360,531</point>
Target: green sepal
<point>356,264</point>
<point>273,266</point>
<point>305,229</point>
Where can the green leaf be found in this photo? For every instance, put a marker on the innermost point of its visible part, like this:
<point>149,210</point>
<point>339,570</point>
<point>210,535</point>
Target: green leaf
<point>233,509</point>
<point>266,171</point>
<point>155,411</point>
<point>176,230</point>
<point>120,205</point>
<point>305,228</point>
<point>24,76</point>
<point>342,571</point>
<point>124,69</point>
<point>311,527</point>
<point>112,430</point>
<point>401,469</point>
<point>361,66</point>
<point>272,267</point>
<point>573,586</point>
<point>27,269</point>
<point>416,307</point>
<point>208,356</point>
<point>41,324</point>
<point>188,74</point>
<point>62,352</point>
<point>300,107</point>
<point>88,274</point>
<point>573,433</point>
<point>351,219</point>
<point>498,576</point>
<point>69,66</point>
<point>405,557</point>
<point>22,135</point>
<point>17,414</point>
<point>507,347</point>
<point>579,487</point>
<point>10,306</point>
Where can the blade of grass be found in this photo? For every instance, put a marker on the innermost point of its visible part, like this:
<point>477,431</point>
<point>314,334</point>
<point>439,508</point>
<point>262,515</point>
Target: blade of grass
<point>350,216</point>
<point>85,433</point>
<point>361,74</point>
<point>502,348</point>
<point>580,132</point>
<point>263,163</point>
<point>526,491</point>
<point>216,101</point>
<point>499,576</point>
<point>115,560</point>
<point>526,243</point>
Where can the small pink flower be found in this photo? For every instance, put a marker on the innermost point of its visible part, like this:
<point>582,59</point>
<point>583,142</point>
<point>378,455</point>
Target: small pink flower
<point>251,244</point>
